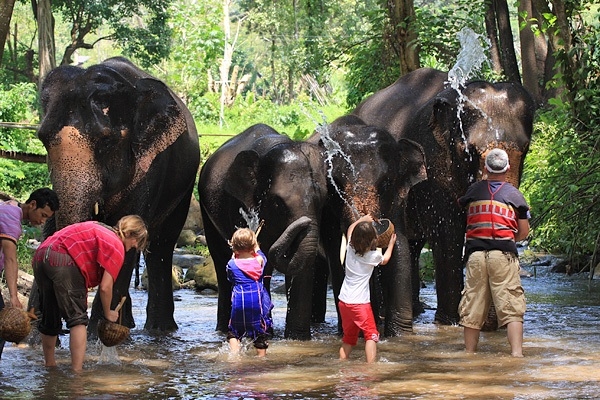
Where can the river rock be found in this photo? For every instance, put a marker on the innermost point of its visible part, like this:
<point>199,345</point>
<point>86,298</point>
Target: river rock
<point>176,278</point>
<point>187,237</point>
<point>203,274</point>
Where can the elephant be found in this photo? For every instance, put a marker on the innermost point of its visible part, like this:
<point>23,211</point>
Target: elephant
<point>456,127</point>
<point>370,173</point>
<point>121,142</point>
<point>261,177</point>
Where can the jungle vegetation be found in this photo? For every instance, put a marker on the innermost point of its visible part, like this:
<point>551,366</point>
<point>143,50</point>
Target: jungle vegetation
<point>297,64</point>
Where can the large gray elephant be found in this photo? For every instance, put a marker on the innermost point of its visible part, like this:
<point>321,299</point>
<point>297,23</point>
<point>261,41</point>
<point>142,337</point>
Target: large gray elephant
<point>121,142</point>
<point>456,129</point>
<point>263,176</point>
<point>370,173</point>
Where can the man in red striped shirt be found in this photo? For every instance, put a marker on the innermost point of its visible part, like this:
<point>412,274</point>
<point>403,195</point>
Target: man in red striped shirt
<point>497,218</point>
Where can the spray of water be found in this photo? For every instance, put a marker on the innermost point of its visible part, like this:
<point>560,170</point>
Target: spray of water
<point>333,149</point>
<point>468,63</point>
<point>251,217</point>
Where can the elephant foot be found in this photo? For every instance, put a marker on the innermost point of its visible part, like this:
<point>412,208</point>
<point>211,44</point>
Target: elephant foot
<point>418,308</point>
<point>397,328</point>
<point>491,322</point>
<point>297,335</point>
<point>444,319</point>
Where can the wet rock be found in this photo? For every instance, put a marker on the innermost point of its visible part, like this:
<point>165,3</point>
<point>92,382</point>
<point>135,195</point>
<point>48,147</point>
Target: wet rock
<point>176,278</point>
<point>185,260</point>
<point>187,237</point>
<point>203,274</point>
<point>194,217</point>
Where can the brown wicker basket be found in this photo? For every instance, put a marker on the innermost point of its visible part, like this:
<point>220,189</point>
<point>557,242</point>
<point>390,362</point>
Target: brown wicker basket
<point>112,333</point>
<point>384,228</point>
<point>15,324</point>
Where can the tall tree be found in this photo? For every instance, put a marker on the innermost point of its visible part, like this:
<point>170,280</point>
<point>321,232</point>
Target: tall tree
<point>500,34</point>
<point>138,26</point>
<point>46,48</point>
<point>6,10</point>
<point>402,34</point>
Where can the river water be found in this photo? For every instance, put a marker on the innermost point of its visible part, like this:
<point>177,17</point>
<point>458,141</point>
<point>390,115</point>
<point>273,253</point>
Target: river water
<point>561,347</point>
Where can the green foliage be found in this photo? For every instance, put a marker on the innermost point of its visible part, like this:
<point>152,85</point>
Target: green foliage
<point>18,104</point>
<point>438,22</point>
<point>24,251</point>
<point>562,172</point>
<point>139,27</point>
<point>297,119</point>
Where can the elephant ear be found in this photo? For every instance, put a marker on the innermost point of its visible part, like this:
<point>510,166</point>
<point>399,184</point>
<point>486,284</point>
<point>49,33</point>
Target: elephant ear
<point>241,178</point>
<point>413,161</point>
<point>158,122</point>
<point>443,116</point>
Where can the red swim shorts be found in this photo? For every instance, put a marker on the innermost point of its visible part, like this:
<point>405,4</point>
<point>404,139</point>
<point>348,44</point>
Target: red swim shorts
<point>356,318</point>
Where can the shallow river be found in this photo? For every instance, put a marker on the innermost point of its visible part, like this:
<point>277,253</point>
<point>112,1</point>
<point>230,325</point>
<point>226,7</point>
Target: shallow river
<point>561,347</point>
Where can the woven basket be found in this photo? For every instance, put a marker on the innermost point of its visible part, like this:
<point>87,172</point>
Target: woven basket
<point>112,333</point>
<point>15,324</point>
<point>385,229</point>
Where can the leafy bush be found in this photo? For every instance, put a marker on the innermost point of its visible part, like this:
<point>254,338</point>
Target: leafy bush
<point>18,104</point>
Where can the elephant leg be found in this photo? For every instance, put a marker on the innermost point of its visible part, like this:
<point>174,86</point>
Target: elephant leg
<point>160,307</point>
<point>319,295</point>
<point>299,310</point>
<point>447,255</point>
<point>220,253</point>
<point>397,290</point>
<point>377,297</point>
<point>415,253</point>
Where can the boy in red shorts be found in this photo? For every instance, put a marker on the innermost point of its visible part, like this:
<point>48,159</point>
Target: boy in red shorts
<point>362,256</point>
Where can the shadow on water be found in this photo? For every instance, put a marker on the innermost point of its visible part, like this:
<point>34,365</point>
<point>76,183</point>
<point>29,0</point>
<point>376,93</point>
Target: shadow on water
<point>562,355</point>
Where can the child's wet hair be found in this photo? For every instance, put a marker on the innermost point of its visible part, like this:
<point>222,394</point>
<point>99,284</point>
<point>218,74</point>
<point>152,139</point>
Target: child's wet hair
<point>364,238</point>
<point>244,239</point>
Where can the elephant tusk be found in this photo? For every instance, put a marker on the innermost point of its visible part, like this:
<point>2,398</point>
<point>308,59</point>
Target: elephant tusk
<point>96,209</point>
<point>260,225</point>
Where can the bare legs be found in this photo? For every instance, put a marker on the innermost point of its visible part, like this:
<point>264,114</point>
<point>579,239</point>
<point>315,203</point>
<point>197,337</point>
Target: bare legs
<point>234,347</point>
<point>370,351</point>
<point>514,331</point>
<point>77,345</point>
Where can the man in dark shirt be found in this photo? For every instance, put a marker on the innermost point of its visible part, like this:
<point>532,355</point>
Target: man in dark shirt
<point>497,218</point>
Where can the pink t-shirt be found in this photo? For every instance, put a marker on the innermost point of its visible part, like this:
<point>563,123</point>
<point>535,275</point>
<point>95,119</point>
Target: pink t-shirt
<point>10,224</point>
<point>94,248</point>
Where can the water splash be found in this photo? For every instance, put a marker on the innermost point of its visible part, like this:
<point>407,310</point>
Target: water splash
<point>468,63</point>
<point>333,149</point>
<point>251,217</point>
<point>470,59</point>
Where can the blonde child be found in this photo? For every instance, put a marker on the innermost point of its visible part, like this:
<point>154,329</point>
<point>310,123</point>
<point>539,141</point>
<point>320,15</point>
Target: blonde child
<point>250,303</point>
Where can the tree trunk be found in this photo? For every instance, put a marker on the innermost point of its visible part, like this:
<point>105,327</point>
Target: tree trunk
<point>554,42</point>
<point>6,10</point>
<point>404,37</point>
<point>507,47</point>
<point>226,62</point>
<point>531,74</point>
<point>490,27</point>
<point>47,52</point>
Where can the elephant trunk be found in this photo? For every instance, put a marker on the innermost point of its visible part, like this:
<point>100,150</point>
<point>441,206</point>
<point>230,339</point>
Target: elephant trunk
<point>75,177</point>
<point>296,248</point>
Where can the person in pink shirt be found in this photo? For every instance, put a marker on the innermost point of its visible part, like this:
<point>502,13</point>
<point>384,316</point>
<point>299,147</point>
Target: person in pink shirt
<point>78,257</point>
<point>41,205</point>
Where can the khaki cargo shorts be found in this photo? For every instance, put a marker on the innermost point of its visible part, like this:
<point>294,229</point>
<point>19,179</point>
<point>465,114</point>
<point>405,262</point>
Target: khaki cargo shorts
<point>492,276</point>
